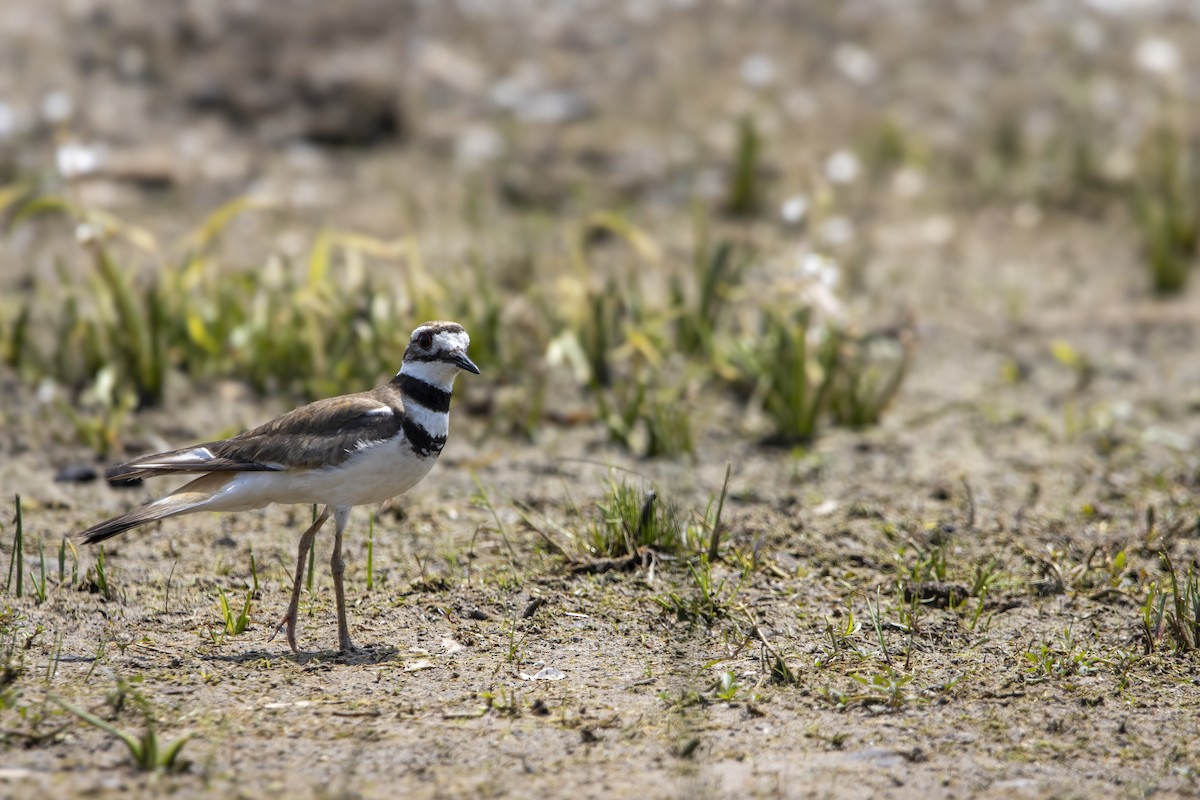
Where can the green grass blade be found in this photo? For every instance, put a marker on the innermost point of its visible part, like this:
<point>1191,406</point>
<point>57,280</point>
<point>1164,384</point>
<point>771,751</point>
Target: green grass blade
<point>135,747</point>
<point>19,550</point>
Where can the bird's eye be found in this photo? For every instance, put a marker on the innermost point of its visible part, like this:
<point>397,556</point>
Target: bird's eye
<point>425,341</point>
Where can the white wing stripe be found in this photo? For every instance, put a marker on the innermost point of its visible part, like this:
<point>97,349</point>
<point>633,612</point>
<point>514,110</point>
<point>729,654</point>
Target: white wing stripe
<point>195,456</point>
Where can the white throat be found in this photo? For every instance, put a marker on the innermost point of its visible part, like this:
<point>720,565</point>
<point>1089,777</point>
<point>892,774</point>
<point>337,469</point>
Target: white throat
<point>436,373</point>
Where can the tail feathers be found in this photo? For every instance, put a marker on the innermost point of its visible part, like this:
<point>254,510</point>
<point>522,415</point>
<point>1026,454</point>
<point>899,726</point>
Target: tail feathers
<point>112,527</point>
<point>194,496</point>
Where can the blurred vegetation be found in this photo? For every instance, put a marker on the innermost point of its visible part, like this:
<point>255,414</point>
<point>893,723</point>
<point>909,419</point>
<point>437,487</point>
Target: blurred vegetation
<point>643,330</point>
<point>1165,201</point>
<point>642,326</point>
<point>592,294</point>
<point>1085,167</point>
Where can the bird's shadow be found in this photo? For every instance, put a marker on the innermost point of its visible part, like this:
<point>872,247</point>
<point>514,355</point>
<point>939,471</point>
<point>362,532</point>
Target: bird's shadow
<point>359,656</point>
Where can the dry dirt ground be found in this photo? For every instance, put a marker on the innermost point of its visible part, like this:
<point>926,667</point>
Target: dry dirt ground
<point>1048,428</point>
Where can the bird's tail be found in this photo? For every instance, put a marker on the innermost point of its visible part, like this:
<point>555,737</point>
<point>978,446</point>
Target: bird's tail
<point>191,497</point>
<point>112,527</point>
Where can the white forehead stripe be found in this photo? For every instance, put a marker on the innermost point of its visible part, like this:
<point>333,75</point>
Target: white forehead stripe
<point>455,339</point>
<point>446,339</point>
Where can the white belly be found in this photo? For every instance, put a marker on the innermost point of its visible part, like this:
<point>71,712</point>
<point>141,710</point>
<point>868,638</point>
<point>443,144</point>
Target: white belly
<point>370,475</point>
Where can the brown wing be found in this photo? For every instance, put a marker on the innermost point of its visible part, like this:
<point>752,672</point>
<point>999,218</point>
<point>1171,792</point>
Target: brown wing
<point>323,433</point>
<point>320,434</point>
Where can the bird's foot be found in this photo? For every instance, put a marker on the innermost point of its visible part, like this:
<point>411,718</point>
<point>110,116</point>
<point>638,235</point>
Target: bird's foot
<point>288,623</point>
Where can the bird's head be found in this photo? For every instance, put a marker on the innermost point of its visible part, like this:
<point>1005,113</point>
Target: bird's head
<point>437,351</point>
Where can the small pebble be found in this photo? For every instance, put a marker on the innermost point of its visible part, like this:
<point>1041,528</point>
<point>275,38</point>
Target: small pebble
<point>77,473</point>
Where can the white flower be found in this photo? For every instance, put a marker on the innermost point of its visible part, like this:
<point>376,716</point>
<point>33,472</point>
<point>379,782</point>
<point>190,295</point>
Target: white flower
<point>1118,7</point>
<point>57,106</point>
<point>8,120</point>
<point>75,160</point>
<point>758,71</point>
<point>855,63</point>
<point>821,269</point>
<point>477,145</point>
<point>565,350</point>
<point>47,391</point>
<point>842,167</point>
<point>794,209</point>
<point>86,233</point>
<point>804,279</point>
<point>1158,56</point>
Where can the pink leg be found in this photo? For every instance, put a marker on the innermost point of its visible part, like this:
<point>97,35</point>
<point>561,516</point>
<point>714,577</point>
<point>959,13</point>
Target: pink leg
<point>306,543</point>
<point>341,516</point>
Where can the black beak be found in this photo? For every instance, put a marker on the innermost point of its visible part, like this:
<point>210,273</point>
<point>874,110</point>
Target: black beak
<point>462,362</point>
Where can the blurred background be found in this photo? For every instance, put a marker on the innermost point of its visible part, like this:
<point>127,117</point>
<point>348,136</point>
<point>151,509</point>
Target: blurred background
<point>576,180</point>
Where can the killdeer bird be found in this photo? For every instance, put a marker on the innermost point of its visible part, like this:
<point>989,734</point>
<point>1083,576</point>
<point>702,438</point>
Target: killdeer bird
<point>341,452</point>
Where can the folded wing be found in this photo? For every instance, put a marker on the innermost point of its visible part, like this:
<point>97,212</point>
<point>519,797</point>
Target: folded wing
<point>321,434</point>
<point>200,458</point>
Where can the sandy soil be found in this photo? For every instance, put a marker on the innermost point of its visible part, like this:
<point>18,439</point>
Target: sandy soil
<point>995,451</point>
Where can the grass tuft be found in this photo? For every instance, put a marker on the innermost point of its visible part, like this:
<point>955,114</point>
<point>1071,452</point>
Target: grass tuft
<point>96,580</point>
<point>706,598</point>
<point>717,270</point>
<point>870,371</point>
<point>1171,614</point>
<point>235,624</point>
<point>630,519</point>
<point>745,186</point>
<point>146,751</point>
<point>793,367</point>
<point>1166,209</point>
